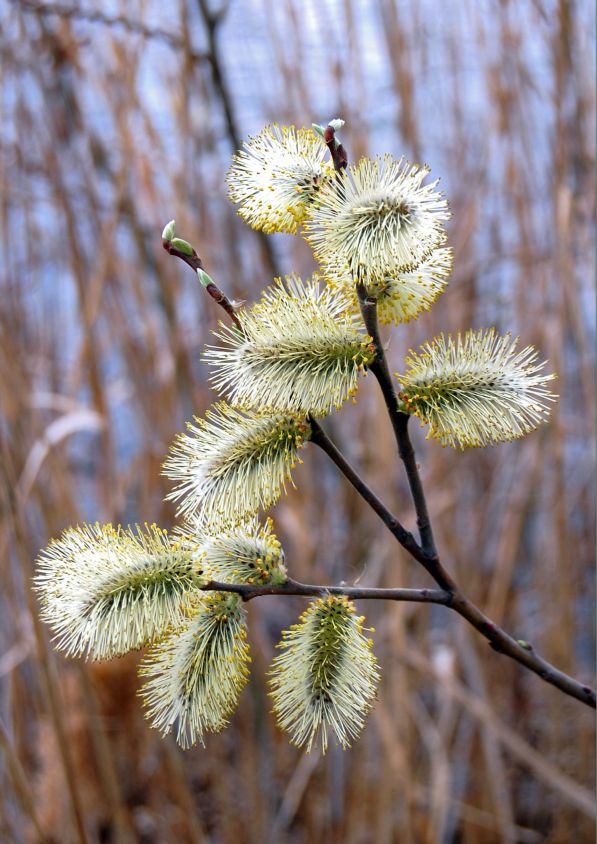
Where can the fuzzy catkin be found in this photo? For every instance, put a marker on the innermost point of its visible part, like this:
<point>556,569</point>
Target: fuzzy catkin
<point>300,349</point>
<point>249,553</point>
<point>326,677</point>
<point>105,590</point>
<point>476,390</point>
<point>233,462</point>
<point>276,175</point>
<point>196,674</point>
<point>378,221</point>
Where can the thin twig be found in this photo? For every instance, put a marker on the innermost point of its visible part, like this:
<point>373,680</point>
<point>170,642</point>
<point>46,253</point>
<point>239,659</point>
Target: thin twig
<point>212,21</point>
<point>73,12</point>
<point>521,651</point>
<point>194,262</point>
<point>399,421</point>
<point>404,537</point>
<point>426,554</point>
<point>502,642</point>
<point>248,591</point>
<point>336,150</point>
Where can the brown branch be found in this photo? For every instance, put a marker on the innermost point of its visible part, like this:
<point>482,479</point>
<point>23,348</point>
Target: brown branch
<point>337,151</point>
<point>404,537</point>
<point>521,651</point>
<point>192,259</point>
<point>399,421</point>
<point>501,641</point>
<point>212,21</point>
<point>248,591</point>
<point>72,12</point>
<point>449,593</point>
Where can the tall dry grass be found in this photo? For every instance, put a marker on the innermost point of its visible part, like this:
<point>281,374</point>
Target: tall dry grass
<point>117,117</point>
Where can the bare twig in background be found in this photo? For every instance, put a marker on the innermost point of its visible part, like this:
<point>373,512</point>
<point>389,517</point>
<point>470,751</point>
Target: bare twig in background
<point>212,21</point>
<point>21,784</point>
<point>70,11</point>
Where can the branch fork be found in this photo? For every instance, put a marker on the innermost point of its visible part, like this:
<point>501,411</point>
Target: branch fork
<point>424,549</point>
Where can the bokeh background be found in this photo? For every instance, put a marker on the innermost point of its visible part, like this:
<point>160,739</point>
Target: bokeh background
<point>116,117</point>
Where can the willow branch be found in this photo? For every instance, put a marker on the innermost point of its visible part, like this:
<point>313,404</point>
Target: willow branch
<point>449,593</point>
<point>404,537</point>
<point>192,260</point>
<point>248,591</point>
<point>336,150</point>
<point>520,651</point>
<point>399,421</point>
<point>500,641</point>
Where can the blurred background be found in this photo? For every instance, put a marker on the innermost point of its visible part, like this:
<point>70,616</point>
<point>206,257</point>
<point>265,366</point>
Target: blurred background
<point>116,117</point>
